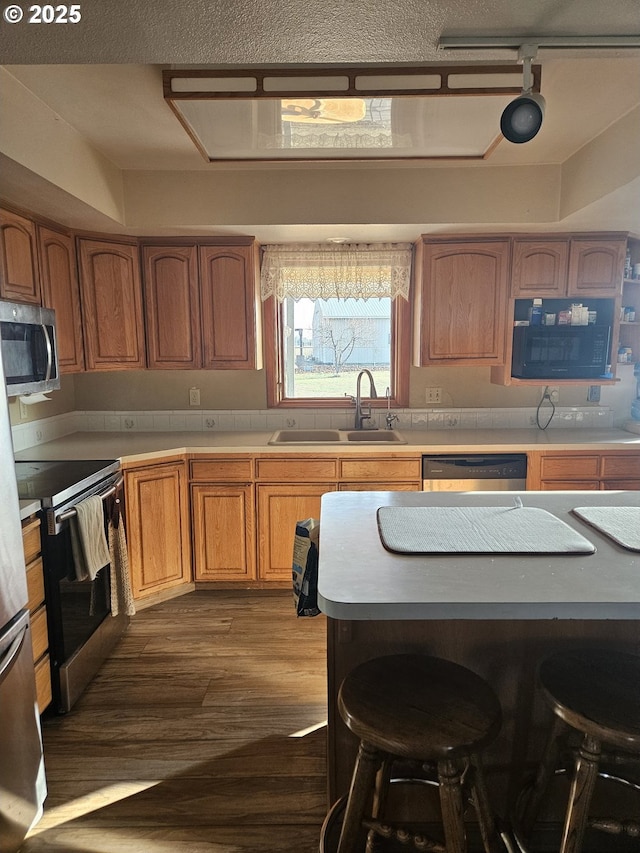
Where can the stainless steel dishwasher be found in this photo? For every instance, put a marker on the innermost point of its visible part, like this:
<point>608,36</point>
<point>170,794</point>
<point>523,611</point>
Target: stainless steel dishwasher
<point>475,472</point>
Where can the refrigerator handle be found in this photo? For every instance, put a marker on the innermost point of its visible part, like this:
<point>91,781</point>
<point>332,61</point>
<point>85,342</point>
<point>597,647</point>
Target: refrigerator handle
<point>12,653</point>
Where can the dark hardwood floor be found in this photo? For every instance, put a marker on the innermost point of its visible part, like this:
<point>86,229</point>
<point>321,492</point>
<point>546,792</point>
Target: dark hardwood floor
<point>203,733</point>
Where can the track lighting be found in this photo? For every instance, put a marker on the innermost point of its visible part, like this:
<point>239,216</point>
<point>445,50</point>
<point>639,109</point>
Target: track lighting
<point>522,118</point>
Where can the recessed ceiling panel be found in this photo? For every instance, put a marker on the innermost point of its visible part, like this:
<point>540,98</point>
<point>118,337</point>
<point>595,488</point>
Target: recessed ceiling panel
<point>399,113</point>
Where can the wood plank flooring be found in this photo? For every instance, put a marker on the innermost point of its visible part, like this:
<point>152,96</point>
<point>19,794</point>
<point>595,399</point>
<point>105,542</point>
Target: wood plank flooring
<point>204,732</point>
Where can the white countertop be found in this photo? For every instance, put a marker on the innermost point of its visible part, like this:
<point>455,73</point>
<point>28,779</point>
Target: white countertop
<point>358,579</point>
<point>132,446</point>
<point>28,508</point>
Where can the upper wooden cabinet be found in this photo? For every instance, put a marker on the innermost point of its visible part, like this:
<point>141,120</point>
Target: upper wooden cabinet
<point>596,266</point>
<point>567,266</point>
<point>172,306</point>
<point>461,302</point>
<point>201,305</point>
<point>19,273</point>
<point>61,291</point>
<point>112,305</point>
<point>539,267</point>
<point>230,303</point>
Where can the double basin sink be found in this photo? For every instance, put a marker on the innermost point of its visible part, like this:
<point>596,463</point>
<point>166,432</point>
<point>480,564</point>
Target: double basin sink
<point>337,436</point>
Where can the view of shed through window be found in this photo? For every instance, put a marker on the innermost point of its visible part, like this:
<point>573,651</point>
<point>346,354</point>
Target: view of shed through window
<point>326,342</point>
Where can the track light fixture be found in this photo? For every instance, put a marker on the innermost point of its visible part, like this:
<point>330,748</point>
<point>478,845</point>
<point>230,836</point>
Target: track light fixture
<point>522,118</point>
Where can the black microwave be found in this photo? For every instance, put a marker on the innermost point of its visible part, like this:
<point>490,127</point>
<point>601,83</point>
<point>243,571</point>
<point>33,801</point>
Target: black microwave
<point>560,352</point>
<point>29,348</point>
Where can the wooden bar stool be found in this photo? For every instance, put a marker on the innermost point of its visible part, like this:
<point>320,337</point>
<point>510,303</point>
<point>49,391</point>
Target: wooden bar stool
<point>594,693</point>
<point>421,709</point>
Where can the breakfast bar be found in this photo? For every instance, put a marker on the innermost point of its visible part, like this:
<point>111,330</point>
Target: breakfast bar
<point>495,608</point>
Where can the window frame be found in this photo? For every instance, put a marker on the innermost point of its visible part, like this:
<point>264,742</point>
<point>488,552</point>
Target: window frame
<point>400,349</point>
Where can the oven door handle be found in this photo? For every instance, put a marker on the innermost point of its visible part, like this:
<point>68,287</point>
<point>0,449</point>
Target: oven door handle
<point>70,513</point>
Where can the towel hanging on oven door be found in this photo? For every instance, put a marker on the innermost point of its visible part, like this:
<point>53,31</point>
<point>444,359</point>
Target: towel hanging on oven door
<point>88,539</point>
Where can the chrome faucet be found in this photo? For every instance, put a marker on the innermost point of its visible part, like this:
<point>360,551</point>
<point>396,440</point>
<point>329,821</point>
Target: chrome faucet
<point>363,414</point>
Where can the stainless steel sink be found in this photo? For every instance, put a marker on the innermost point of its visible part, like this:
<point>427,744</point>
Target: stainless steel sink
<point>334,436</point>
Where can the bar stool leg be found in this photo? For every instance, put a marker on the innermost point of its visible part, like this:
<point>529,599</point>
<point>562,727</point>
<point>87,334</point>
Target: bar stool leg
<point>543,776</point>
<point>582,786</point>
<point>452,807</point>
<point>484,814</point>
<point>374,842</point>
<point>364,773</point>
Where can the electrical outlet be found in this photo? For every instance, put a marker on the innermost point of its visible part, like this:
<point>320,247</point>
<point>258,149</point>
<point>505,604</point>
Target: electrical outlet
<point>434,395</point>
<point>194,396</point>
<point>593,394</point>
<point>23,410</point>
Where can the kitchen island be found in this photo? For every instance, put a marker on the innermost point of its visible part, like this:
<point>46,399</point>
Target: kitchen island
<point>497,613</point>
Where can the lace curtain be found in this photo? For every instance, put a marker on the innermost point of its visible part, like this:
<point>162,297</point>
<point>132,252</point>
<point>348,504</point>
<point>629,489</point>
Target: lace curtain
<point>336,270</point>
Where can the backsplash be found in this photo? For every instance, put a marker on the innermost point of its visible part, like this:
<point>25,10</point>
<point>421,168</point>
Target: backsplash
<point>48,429</point>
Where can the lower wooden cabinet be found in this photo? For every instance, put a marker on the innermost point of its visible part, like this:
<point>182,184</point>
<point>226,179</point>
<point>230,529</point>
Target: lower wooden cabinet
<point>579,471</point>
<point>157,528</point>
<point>279,508</point>
<point>223,523</point>
<point>37,610</point>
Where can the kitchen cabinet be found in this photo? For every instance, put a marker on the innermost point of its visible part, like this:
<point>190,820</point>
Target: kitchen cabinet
<point>158,536</point>
<point>223,519</point>
<point>230,306</point>
<point>19,271</point>
<point>288,490</point>
<point>563,265</point>
<point>596,265</point>
<point>172,306</point>
<point>201,305</point>
<point>572,470</point>
<point>111,292</point>
<point>61,291</point>
<point>37,610</point>
<point>461,301</point>
<point>375,474</point>
<point>539,267</point>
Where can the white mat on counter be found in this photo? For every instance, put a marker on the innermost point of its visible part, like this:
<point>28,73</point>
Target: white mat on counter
<point>620,523</point>
<point>477,530</point>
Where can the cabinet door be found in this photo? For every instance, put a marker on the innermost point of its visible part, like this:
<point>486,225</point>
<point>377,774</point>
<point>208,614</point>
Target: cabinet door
<point>279,508</point>
<point>463,306</point>
<point>19,274</point>
<point>157,528</point>
<point>596,267</point>
<point>229,307</point>
<point>223,521</point>
<point>539,268</point>
<point>172,306</point>
<point>112,305</point>
<point>61,291</point>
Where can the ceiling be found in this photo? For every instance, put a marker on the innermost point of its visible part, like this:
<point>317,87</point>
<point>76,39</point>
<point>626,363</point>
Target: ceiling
<point>107,85</point>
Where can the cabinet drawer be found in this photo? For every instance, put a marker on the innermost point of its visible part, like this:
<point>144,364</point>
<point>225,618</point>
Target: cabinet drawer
<point>570,485</point>
<point>35,584</point>
<point>378,470</point>
<point>622,485</point>
<point>291,470</point>
<point>621,466</point>
<point>39,636</point>
<point>379,487</point>
<point>221,470</point>
<point>569,467</point>
<point>31,539</point>
<point>43,683</point>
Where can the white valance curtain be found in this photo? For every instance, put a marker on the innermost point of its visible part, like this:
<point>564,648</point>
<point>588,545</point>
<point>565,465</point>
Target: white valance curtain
<point>336,270</point>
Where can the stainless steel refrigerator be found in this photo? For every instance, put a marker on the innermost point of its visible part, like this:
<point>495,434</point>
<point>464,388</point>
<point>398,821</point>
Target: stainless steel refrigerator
<point>22,781</point>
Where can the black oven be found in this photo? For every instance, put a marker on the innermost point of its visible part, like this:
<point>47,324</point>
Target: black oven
<point>82,630</point>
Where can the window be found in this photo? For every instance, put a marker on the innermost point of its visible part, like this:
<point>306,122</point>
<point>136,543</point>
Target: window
<point>331,311</point>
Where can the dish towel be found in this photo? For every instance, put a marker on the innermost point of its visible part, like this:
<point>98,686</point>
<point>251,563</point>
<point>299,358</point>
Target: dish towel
<point>88,540</point>
<point>121,593</point>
